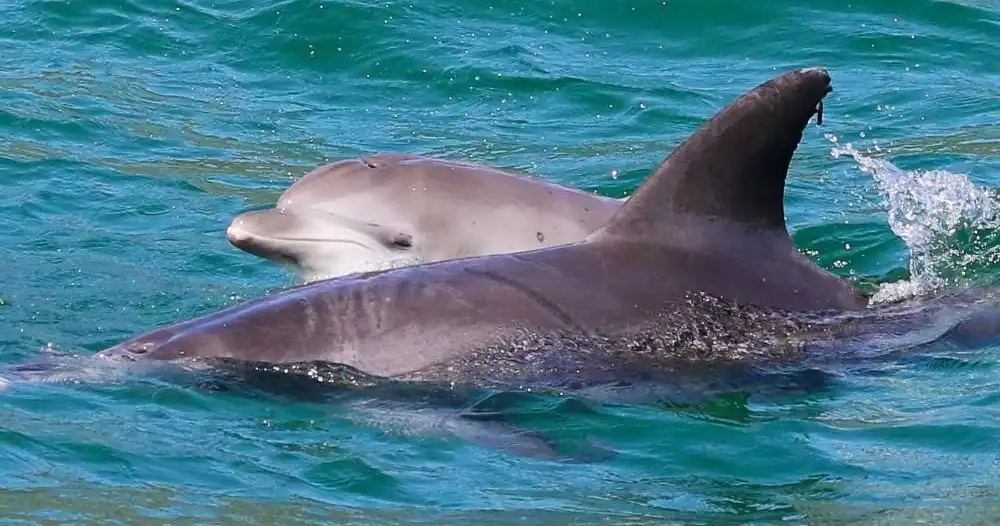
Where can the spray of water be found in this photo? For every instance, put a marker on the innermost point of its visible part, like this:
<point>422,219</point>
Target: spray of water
<point>945,220</point>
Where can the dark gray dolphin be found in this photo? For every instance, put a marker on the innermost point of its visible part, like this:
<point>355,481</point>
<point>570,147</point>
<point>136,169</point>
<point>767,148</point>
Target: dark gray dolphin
<point>392,210</point>
<point>708,222</point>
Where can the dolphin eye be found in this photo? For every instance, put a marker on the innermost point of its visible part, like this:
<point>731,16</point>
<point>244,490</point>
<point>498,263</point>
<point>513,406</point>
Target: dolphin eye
<point>402,241</point>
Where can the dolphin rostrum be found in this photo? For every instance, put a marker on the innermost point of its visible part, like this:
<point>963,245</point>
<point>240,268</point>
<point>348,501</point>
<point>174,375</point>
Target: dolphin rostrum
<point>709,222</point>
<point>392,210</point>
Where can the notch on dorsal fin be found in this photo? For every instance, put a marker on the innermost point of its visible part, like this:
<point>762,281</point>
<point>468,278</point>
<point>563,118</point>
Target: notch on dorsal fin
<point>732,169</point>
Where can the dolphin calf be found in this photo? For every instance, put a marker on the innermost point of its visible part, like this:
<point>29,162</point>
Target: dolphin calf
<point>707,226</point>
<point>392,210</point>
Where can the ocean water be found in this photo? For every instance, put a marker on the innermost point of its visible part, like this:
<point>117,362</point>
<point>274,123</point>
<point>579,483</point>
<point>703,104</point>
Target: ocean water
<point>132,131</point>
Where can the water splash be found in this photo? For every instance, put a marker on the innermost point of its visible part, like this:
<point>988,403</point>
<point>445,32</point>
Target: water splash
<point>947,222</point>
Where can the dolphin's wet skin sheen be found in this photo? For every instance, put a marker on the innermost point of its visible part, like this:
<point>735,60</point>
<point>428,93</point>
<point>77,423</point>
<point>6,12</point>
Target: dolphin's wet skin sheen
<point>695,269</point>
<point>392,210</point>
<point>709,220</point>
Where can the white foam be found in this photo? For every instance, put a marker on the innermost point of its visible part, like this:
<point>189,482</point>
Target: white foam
<point>926,209</point>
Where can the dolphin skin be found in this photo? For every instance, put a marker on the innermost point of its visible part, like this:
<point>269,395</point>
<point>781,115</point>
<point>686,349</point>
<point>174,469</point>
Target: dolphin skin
<point>708,223</point>
<point>392,210</point>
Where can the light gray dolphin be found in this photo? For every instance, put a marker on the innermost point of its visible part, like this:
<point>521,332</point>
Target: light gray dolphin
<point>708,223</point>
<point>392,210</point>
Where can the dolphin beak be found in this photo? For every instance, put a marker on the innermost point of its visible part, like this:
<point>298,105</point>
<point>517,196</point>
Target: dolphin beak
<point>238,236</point>
<point>250,232</point>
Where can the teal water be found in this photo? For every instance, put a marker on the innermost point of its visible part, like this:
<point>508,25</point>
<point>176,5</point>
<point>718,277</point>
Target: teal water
<point>131,131</point>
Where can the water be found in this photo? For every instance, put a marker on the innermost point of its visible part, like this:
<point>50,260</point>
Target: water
<point>133,130</point>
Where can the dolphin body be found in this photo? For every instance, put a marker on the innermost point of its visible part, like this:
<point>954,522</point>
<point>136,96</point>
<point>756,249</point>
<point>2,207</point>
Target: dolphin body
<point>708,223</point>
<point>392,210</point>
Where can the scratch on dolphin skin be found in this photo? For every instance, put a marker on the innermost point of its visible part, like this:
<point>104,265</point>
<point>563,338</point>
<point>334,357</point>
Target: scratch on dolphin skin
<point>542,301</point>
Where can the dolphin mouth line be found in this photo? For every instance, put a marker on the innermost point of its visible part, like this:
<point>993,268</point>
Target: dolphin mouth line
<point>257,239</point>
<point>315,240</point>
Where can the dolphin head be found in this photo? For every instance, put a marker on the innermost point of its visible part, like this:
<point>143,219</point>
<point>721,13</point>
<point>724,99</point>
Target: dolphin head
<point>317,244</point>
<point>332,222</point>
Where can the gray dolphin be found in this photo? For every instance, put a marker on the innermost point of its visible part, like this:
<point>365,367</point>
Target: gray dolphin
<point>392,210</point>
<point>709,222</point>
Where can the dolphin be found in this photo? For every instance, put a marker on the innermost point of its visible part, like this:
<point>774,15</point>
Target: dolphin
<point>391,210</point>
<point>702,239</point>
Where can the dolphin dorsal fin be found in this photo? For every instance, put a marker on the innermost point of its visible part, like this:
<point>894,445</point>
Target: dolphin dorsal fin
<point>732,169</point>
